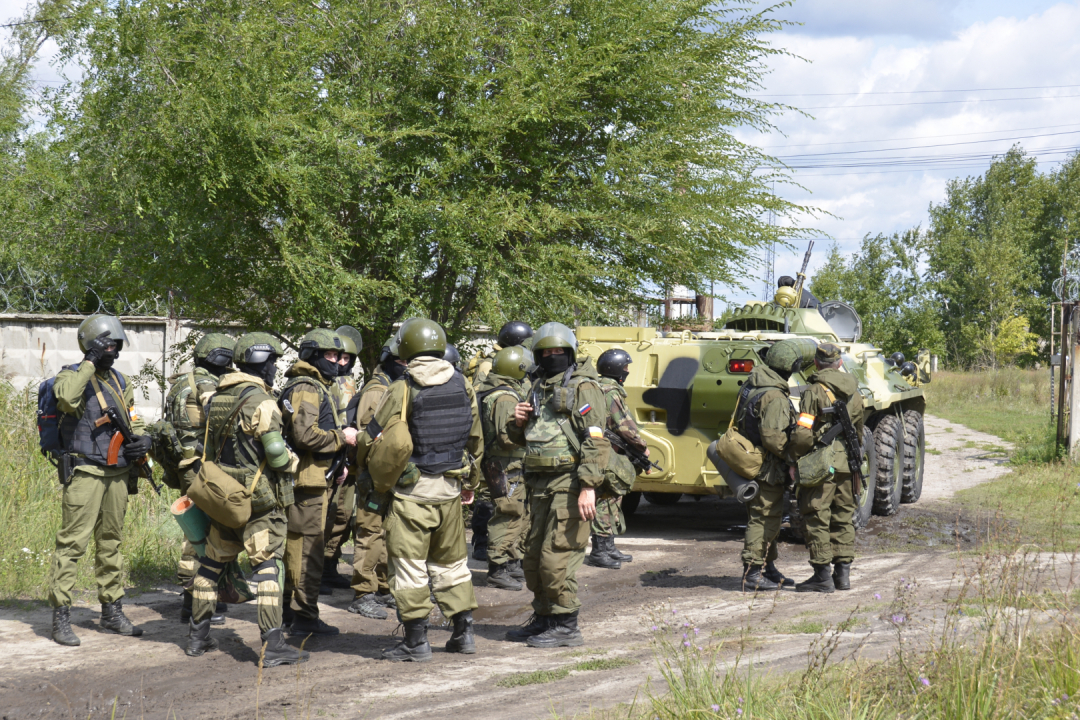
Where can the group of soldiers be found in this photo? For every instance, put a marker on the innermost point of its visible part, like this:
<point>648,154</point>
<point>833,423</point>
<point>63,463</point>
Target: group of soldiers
<point>766,416</point>
<point>521,436</point>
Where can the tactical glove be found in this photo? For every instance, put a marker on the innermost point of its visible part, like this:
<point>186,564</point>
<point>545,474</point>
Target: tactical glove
<point>137,448</point>
<point>98,347</point>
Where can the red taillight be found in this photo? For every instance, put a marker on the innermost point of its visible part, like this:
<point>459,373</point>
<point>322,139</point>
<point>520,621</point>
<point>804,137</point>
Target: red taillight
<point>740,366</point>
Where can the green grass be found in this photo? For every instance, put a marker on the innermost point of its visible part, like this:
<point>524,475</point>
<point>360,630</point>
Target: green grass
<point>802,627</point>
<point>539,677</point>
<point>30,515</point>
<point>1010,403</point>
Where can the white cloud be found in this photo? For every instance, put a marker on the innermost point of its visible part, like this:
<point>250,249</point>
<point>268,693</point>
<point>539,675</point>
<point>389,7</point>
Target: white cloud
<point>1036,50</point>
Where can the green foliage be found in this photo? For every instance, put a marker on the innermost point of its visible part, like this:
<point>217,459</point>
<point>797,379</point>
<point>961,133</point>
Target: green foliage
<point>288,164</point>
<point>994,252</point>
<point>884,284</point>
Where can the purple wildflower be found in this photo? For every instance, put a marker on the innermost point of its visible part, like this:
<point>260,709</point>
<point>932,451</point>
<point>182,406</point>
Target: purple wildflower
<point>716,708</point>
<point>925,682</point>
<point>898,619</point>
<point>877,596</point>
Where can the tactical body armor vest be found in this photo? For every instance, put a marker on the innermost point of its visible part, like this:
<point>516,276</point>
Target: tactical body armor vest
<point>329,419</point>
<point>83,438</point>
<point>548,447</point>
<point>620,473</point>
<point>492,448</point>
<point>748,418</point>
<point>238,453</point>
<point>439,424</point>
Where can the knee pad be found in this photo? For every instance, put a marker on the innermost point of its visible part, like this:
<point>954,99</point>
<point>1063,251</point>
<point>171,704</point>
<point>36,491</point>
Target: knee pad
<point>210,569</point>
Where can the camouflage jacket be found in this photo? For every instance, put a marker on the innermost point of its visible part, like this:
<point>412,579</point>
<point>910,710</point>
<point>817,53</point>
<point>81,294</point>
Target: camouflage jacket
<point>775,417</point>
<point>498,396</point>
<point>312,424</point>
<point>813,424</point>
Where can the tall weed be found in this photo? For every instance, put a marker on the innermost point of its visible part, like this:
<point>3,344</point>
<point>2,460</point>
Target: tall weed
<point>30,514</point>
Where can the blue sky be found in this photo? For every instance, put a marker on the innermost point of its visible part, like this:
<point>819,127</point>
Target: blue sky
<point>911,58</point>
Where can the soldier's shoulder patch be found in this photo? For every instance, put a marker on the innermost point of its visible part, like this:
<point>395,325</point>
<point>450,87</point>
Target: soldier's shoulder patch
<point>584,409</point>
<point>806,420</point>
<point>595,432</point>
<point>287,405</point>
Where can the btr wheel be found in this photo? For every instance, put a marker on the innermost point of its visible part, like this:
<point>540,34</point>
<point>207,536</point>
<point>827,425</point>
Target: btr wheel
<point>864,503</point>
<point>659,498</point>
<point>889,444</point>
<point>630,502</point>
<point>914,456</point>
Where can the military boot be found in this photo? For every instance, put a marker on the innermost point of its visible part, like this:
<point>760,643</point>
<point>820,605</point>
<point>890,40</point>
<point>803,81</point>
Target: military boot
<point>616,552</point>
<point>415,646</point>
<point>185,610</point>
<point>311,626</point>
<point>480,547</point>
<point>278,653</point>
<point>563,632</point>
<point>841,575</point>
<point>462,640</point>
<point>386,599</point>
<point>754,581</point>
<point>199,640</point>
<point>332,579</point>
<point>770,572</point>
<point>821,581</point>
<point>61,627</point>
<point>499,577</point>
<point>114,619</point>
<point>536,625</point>
<point>516,571</point>
<point>369,607</point>
<point>599,557</point>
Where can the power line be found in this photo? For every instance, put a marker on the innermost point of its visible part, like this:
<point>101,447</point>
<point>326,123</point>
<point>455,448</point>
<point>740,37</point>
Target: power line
<point>913,92</point>
<point>37,22</point>
<point>917,137</point>
<point>922,147</point>
<point>940,102</point>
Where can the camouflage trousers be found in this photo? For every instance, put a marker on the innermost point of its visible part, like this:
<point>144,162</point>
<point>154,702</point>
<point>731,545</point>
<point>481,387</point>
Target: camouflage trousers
<point>554,551</point>
<point>829,510</point>
<point>369,546</point>
<point>339,521</point>
<point>609,516</point>
<point>425,544</point>
<point>304,550</point>
<point>765,513</point>
<point>263,539</point>
<point>508,526</point>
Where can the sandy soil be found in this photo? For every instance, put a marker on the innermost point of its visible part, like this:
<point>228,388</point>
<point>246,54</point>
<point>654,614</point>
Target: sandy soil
<point>685,559</point>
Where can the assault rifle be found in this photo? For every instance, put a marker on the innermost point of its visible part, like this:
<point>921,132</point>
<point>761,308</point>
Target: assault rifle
<point>849,436</point>
<point>637,458</point>
<point>124,433</point>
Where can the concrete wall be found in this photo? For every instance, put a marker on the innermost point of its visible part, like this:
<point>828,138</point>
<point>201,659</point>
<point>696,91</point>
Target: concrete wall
<point>34,347</point>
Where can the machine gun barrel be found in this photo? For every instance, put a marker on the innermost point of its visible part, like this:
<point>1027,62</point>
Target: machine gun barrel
<point>802,275</point>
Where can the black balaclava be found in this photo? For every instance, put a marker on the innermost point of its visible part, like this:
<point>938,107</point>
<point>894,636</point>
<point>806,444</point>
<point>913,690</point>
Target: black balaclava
<point>553,365</point>
<point>106,360</point>
<point>215,370</point>
<point>327,368</point>
<point>266,370</point>
<point>393,368</point>
<point>622,377</point>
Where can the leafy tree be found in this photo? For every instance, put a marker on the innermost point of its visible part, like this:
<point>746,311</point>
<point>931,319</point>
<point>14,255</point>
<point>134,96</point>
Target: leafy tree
<point>288,163</point>
<point>885,285</point>
<point>992,256</point>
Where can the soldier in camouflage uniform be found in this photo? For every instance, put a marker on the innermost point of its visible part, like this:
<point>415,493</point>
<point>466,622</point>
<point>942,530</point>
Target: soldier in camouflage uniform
<point>244,439</point>
<point>339,518</point>
<point>566,455</point>
<point>513,334</point>
<point>429,421</point>
<point>315,430</point>
<point>95,498</point>
<point>829,509</point>
<point>184,405</point>
<point>764,416</point>
<point>500,392</point>
<point>613,366</point>
<point>369,582</point>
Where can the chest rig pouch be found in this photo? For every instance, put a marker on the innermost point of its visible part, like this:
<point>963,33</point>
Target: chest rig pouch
<point>548,445</point>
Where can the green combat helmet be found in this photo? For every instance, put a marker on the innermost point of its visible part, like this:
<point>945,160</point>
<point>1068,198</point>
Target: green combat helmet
<point>790,356</point>
<point>315,343</point>
<point>256,348</point>
<point>351,333</point>
<point>215,349</point>
<point>511,362</point>
<point>389,349</point>
<point>93,326</point>
<point>419,336</point>
<point>554,335</point>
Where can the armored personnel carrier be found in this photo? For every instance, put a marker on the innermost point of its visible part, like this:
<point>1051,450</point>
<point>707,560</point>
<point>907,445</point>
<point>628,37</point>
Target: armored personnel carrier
<point>683,386</point>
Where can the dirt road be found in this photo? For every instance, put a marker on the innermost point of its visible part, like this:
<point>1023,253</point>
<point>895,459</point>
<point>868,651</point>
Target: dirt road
<point>686,559</point>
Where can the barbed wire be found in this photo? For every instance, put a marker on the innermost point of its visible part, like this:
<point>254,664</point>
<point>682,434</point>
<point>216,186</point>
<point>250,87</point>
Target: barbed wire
<point>31,290</point>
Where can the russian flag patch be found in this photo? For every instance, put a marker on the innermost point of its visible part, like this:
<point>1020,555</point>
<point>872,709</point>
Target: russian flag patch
<point>584,409</point>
